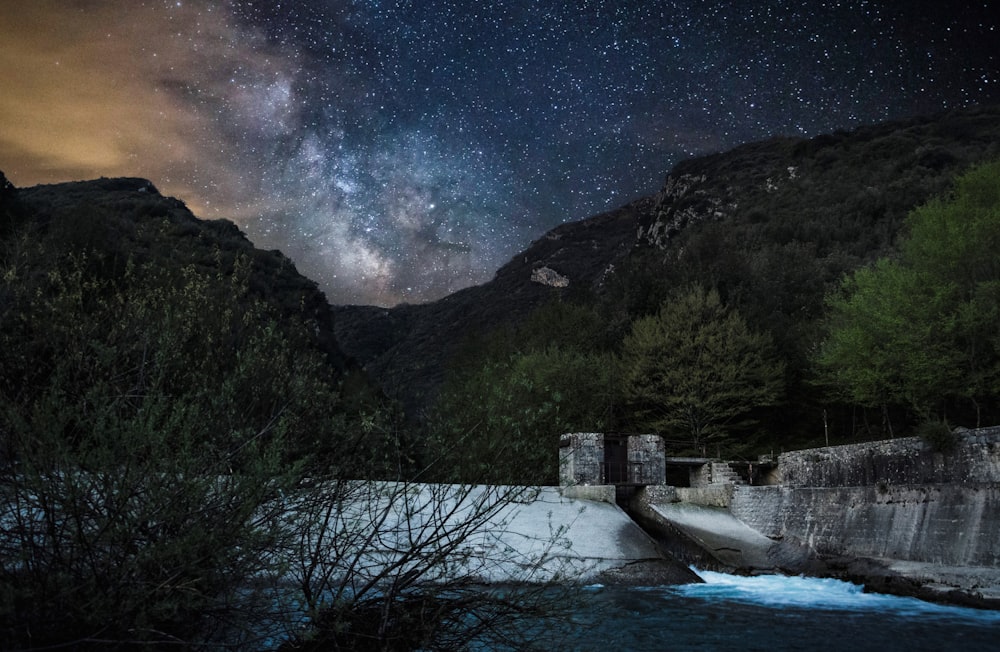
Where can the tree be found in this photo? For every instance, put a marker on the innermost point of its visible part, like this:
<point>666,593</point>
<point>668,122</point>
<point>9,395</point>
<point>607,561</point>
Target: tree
<point>888,343</point>
<point>696,370</point>
<point>508,397</point>
<point>920,331</point>
<point>176,471</point>
<point>500,421</point>
<point>149,423</point>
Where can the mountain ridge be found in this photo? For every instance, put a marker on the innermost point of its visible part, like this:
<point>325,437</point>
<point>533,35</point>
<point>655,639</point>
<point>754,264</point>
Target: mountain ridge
<point>842,196</point>
<point>126,218</point>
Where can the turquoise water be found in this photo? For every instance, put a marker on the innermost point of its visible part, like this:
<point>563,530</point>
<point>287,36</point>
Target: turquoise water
<point>772,614</point>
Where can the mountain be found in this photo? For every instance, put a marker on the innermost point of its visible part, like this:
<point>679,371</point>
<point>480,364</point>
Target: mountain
<point>772,224</point>
<point>127,221</point>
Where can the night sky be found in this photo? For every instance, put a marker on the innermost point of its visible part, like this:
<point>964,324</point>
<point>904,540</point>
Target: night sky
<point>399,151</point>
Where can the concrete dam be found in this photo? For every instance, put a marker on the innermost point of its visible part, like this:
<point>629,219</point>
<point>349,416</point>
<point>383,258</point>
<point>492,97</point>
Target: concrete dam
<point>895,515</point>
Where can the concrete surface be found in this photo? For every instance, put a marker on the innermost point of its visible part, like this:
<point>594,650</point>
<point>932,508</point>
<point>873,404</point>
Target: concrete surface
<point>491,534</point>
<point>727,538</point>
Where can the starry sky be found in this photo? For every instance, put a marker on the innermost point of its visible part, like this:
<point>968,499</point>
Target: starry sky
<point>399,151</point>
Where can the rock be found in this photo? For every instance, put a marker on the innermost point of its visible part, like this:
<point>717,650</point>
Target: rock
<point>650,572</point>
<point>550,277</point>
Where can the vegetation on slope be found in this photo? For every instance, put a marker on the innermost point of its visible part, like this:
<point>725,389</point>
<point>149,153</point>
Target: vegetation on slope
<point>772,226</point>
<point>918,331</point>
<point>900,341</point>
<point>165,387</point>
<point>186,459</point>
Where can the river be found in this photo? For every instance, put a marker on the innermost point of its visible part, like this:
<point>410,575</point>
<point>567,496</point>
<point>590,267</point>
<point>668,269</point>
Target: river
<point>773,614</point>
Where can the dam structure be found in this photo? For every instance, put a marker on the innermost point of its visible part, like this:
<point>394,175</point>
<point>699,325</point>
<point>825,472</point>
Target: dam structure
<point>896,515</point>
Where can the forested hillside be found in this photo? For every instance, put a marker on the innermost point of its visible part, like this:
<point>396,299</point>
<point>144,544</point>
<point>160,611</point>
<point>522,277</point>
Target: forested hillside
<point>771,228</point>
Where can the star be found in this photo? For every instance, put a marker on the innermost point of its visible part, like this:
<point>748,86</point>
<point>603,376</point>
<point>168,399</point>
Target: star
<point>399,151</point>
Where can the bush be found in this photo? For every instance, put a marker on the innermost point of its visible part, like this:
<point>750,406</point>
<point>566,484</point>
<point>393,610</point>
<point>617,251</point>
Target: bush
<point>938,435</point>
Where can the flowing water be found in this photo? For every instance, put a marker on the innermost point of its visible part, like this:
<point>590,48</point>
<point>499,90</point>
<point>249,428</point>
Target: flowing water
<point>773,614</point>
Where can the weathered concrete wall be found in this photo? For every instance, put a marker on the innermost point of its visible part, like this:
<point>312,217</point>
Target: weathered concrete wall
<point>895,499</point>
<point>717,496</point>
<point>647,459</point>
<point>581,458</point>
<point>955,525</point>
<point>904,461</point>
<point>659,494</point>
<point>701,476</point>
<point>599,493</point>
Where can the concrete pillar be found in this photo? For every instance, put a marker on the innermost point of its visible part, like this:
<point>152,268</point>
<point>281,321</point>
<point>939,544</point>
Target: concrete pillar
<point>581,458</point>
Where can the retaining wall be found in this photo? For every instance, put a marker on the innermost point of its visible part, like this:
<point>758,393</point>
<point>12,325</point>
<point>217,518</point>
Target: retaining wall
<point>893,499</point>
<point>903,461</point>
<point>951,525</point>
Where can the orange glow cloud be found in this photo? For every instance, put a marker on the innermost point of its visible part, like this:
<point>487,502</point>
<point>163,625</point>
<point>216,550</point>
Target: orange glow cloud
<point>93,89</point>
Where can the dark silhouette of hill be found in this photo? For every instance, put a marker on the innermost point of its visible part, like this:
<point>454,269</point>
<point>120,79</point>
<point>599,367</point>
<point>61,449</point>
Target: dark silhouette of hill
<point>126,219</point>
<point>771,224</point>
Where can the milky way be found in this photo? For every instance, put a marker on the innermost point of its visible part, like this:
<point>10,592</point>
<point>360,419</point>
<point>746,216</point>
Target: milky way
<point>399,151</point>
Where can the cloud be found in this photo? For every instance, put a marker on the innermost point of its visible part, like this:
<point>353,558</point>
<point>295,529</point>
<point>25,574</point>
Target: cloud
<point>240,123</point>
<point>122,88</point>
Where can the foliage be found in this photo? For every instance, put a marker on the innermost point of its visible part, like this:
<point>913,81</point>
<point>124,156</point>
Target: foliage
<point>920,332</point>
<point>887,343</point>
<point>163,427</point>
<point>696,370</point>
<point>773,226</point>
<point>508,398</point>
<point>501,422</point>
<point>147,423</point>
<point>938,435</point>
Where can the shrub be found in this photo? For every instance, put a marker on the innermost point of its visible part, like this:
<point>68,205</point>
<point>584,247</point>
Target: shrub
<point>938,435</point>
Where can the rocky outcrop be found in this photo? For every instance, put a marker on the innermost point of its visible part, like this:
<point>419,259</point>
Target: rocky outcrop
<point>550,277</point>
<point>684,199</point>
<point>406,348</point>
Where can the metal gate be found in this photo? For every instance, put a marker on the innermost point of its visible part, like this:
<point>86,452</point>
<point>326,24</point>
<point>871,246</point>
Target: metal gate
<point>616,464</point>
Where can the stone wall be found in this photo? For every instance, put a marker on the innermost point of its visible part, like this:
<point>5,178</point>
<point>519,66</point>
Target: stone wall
<point>598,493</point>
<point>659,494</point>
<point>708,496</point>
<point>701,476</point>
<point>647,459</point>
<point>904,461</point>
<point>582,459</point>
<point>944,524</point>
<point>893,499</point>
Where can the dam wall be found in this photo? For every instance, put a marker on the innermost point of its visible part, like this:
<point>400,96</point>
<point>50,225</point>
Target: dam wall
<point>896,499</point>
<point>950,525</point>
<point>975,459</point>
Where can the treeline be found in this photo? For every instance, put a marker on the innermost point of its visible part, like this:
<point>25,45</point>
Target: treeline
<point>732,346</point>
